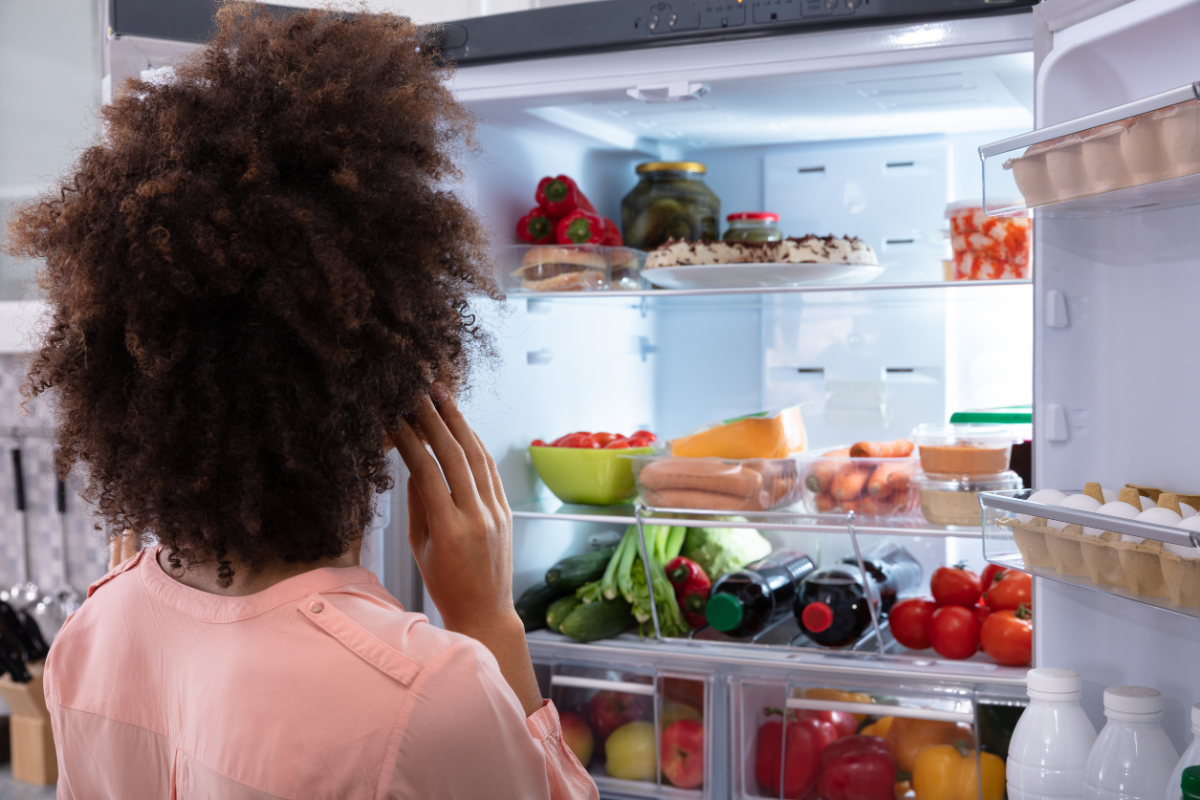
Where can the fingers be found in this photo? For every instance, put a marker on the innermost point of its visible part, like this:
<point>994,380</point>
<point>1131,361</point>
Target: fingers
<point>449,453</point>
<point>418,521</point>
<point>494,472</point>
<point>426,476</point>
<point>472,448</point>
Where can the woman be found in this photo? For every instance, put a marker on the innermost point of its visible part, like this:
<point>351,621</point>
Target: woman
<point>257,280</point>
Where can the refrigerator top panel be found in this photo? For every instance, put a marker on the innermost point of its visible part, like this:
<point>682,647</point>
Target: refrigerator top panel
<point>615,25</point>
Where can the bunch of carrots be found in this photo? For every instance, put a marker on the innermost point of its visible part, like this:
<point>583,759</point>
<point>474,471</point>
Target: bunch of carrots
<point>840,482</point>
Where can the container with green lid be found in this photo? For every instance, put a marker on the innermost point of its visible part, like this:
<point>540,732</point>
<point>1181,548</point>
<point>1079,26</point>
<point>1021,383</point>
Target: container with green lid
<point>1020,421</point>
<point>670,201</point>
<point>1190,783</point>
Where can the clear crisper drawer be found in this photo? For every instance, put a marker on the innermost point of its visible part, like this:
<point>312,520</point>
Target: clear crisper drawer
<point>1151,564</point>
<point>781,736</point>
<point>640,733</point>
<point>1144,154</point>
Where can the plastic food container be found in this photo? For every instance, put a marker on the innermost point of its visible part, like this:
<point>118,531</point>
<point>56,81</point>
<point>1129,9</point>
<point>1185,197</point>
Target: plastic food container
<point>587,477</point>
<point>963,449</point>
<point>873,487</point>
<point>568,268</point>
<point>717,484</point>
<point>1019,420</point>
<point>954,500</point>
<point>988,248</point>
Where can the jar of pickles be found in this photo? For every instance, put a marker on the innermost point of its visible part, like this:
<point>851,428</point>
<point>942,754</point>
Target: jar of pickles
<point>753,226</point>
<point>669,201</point>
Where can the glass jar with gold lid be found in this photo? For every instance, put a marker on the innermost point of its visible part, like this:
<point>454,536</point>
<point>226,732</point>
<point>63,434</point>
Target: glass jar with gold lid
<point>670,200</point>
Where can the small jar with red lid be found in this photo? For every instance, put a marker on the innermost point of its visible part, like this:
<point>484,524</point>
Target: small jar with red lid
<point>753,226</point>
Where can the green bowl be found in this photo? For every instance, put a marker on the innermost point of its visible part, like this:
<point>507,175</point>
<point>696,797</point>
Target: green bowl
<point>588,477</point>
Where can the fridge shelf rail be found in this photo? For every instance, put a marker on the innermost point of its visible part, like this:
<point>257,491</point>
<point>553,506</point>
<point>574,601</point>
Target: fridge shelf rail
<point>1154,565</point>
<point>628,294</point>
<point>794,520</point>
<point>1133,157</point>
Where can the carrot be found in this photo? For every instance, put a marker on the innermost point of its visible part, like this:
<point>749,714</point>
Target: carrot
<point>825,503</point>
<point>900,448</point>
<point>822,473</point>
<point>848,483</point>
<point>889,478</point>
<point>877,507</point>
<point>854,505</point>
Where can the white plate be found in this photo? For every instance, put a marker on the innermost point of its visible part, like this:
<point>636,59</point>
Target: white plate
<point>766,276</point>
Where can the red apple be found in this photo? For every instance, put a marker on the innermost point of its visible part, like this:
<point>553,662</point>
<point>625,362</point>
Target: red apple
<point>607,711</point>
<point>577,735</point>
<point>683,753</point>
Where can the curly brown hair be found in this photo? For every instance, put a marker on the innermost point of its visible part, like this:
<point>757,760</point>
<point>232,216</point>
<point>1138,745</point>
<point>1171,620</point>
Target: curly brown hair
<point>257,269</point>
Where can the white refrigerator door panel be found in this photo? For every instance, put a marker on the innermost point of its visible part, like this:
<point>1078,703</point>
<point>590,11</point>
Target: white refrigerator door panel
<point>1112,373</point>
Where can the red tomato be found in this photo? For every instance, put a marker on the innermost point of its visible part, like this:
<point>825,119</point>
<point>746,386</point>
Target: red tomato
<point>637,441</point>
<point>559,441</point>
<point>910,620</point>
<point>1007,636</point>
<point>954,632</point>
<point>604,438</point>
<point>988,577</point>
<point>537,443</point>
<point>647,435</point>
<point>842,722</point>
<point>1013,589</point>
<point>588,443</point>
<point>618,444</point>
<point>955,586</point>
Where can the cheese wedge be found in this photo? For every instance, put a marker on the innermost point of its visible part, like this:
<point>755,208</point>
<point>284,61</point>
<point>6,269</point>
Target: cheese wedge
<point>749,437</point>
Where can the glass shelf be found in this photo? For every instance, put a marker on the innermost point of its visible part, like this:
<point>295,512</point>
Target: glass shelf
<point>1126,159</point>
<point>749,291</point>
<point>795,520</point>
<point>1016,534</point>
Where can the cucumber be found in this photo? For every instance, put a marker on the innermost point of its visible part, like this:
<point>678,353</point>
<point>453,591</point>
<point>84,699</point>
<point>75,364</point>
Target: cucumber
<point>532,604</point>
<point>559,610</point>
<point>602,620</point>
<point>571,573</point>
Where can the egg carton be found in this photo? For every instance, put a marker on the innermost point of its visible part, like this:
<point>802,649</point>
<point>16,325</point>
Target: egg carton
<point>1147,559</point>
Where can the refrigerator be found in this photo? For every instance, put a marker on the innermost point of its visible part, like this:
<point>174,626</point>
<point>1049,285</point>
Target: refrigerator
<point>851,118</point>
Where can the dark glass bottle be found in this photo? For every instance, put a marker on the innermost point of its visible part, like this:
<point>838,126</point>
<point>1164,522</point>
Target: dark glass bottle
<point>831,608</point>
<point>744,603</point>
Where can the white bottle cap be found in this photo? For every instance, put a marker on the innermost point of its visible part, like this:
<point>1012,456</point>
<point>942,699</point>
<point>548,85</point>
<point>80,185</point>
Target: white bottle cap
<point>1196,719</point>
<point>1048,683</point>
<point>1133,703</point>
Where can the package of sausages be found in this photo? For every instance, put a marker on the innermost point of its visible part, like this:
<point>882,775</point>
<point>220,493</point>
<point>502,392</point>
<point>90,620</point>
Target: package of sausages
<point>718,484</point>
<point>872,479</point>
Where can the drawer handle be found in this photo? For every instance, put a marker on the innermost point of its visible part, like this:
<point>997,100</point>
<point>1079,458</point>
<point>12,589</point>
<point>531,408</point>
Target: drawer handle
<point>598,683</point>
<point>872,709</point>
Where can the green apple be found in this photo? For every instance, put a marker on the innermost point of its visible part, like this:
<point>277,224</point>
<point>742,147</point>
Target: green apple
<point>630,752</point>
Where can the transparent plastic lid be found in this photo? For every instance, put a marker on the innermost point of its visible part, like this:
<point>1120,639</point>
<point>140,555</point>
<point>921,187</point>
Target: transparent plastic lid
<point>934,435</point>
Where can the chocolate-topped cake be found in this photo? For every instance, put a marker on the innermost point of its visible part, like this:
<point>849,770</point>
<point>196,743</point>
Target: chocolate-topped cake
<point>804,250</point>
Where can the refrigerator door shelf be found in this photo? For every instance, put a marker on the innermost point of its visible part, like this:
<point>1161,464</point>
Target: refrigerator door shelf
<point>1134,157</point>
<point>1154,565</point>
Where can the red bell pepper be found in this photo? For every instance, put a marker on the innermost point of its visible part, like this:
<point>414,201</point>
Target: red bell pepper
<point>857,768</point>
<point>560,196</point>
<point>691,589</point>
<point>537,227</point>
<point>612,234</point>
<point>581,227</point>
<point>798,768</point>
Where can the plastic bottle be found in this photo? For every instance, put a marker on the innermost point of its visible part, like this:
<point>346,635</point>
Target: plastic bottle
<point>1051,742</point>
<point>1189,783</point>
<point>1190,758</point>
<point>1133,758</point>
<point>831,607</point>
<point>744,603</point>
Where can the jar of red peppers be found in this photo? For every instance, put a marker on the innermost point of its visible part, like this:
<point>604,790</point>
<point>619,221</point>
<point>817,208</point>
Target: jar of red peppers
<point>670,200</point>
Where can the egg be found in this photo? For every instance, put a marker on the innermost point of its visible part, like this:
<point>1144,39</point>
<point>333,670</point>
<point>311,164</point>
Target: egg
<point>1110,495</point>
<point>1049,497</point>
<point>1187,511</point>
<point>1117,509</point>
<point>1078,502</point>
<point>1183,551</point>
<point>1147,503</point>
<point>1154,516</point>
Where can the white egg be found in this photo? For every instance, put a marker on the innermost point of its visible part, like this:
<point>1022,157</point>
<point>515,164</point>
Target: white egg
<point>1079,502</point>
<point>1191,523</point>
<point>1147,503</point>
<point>1154,516</point>
<point>1182,550</point>
<point>1187,511</point>
<point>1049,497</point>
<point>1117,509</point>
<point>1110,495</point>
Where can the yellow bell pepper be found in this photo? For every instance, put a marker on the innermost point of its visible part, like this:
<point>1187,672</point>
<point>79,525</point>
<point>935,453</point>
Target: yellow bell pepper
<point>879,727</point>
<point>907,738</point>
<point>819,693</point>
<point>942,773</point>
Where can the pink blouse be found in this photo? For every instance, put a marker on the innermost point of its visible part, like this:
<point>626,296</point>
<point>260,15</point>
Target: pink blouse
<point>321,686</point>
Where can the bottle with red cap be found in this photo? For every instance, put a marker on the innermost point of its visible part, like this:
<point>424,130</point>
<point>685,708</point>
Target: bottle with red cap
<point>831,608</point>
<point>753,226</point>
<point>746,602</point>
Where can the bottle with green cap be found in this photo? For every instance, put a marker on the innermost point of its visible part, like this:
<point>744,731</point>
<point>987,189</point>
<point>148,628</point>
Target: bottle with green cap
<point>746,602</point>
<point>1189,783</point>
<point>1190,759</point>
